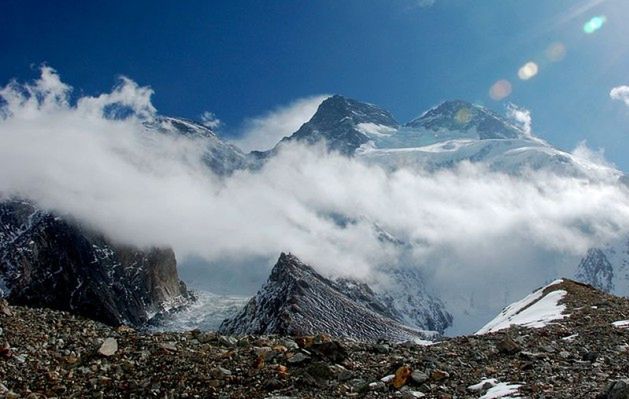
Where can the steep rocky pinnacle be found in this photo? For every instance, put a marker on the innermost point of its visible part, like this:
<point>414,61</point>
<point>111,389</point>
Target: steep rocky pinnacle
<point>296,300</point>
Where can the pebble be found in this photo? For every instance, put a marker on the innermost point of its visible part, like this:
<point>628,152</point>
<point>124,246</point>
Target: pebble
<point>298,358</point>
<point>168,346</point>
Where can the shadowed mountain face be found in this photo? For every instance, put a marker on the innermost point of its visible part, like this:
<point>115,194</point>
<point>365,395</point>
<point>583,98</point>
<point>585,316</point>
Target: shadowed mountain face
<point>221,157</point>
<point>296,300</point>
<point>46,261</point>
<point>461,115</point>
<point>607,267</point>
<point>338,121</point>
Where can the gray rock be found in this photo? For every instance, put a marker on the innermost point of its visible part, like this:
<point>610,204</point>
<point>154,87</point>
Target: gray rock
<point>227,341</point>
<point>618,389</point>
<point>378,386</point>
<point>220,373</point>
<point>419,377</point>
<point>168,346</point>
<point>382,348</point>
<point>290,344</point>
<point>298,358</point>
<point>109,347</point>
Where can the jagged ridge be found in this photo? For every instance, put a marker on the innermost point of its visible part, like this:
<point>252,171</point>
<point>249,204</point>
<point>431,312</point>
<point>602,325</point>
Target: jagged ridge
<point>296,300</point>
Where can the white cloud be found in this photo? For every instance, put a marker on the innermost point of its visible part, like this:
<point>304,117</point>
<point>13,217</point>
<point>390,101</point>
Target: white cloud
<point>521,116</point>
<point>264,131</point>
<point>597,157</point>
<point>210,120</point>
<point>620,93</point>
<point>470,229</point>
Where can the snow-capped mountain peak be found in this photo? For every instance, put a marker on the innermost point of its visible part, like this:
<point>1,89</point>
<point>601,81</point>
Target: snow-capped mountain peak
<point>458,115</point>
<point>345,124</point>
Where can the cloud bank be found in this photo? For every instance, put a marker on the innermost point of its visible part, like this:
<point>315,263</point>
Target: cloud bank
<point>470,229</point>
<point>264,131</point>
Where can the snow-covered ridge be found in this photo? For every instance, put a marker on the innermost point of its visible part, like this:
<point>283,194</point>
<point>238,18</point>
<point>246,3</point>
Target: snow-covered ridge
<point>535,311</point>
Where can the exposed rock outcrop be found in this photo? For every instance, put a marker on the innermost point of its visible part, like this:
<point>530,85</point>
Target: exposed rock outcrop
<point>296,300</point>
<point>595,269</point>
<point>47,261</point>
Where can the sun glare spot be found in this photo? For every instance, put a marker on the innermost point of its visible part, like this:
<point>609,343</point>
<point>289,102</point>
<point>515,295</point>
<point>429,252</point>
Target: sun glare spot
<point>528,70</point>
<point>555,52</point>
<point>463,116</point>
<point>500,90</point>
<point>594,24</point>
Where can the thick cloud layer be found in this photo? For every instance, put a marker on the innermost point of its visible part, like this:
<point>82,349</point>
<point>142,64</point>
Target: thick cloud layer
<point>263,132</point>
<point>468,228</point>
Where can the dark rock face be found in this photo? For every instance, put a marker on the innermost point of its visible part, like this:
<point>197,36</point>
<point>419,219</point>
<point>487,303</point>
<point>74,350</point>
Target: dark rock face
<point>618,389</point>
<point>336,122</point>
<point>46,261</point>
<point>595,269</point>
<point>296,300</point>
<point>461,115</point>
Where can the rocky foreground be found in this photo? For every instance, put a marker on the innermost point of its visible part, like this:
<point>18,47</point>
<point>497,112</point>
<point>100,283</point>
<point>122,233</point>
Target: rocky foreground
<point>45,354</point>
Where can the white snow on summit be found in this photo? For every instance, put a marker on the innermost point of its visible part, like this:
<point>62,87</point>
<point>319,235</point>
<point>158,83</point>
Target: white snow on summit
<point>374,129</point>
<point>535,311</point>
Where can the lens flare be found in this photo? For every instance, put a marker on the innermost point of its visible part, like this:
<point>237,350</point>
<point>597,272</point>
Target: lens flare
<point>500,90</point>
<point>463,116</point>
<point>555,52</point>
<point>594,24</point>
<point>528,70</point>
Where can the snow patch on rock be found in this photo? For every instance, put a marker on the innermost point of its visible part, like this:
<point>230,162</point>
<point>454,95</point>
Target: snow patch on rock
<point>534,311</point>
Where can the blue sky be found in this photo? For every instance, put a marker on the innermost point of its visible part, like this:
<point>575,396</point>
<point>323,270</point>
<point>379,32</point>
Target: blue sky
<point>240,59</point>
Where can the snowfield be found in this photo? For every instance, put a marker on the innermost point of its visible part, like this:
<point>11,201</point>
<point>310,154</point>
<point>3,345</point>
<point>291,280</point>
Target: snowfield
<point>535,311</point>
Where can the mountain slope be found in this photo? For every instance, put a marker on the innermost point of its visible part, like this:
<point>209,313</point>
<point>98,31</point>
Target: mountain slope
<point>450,133</point>
<point>458,115</point>
<point>50,262</point>
<point>583,355</point>
<point>298,301</point>
<point>343,124</point>
<point>535,311</point>
<point>221,157</point>
<point>607,267</point>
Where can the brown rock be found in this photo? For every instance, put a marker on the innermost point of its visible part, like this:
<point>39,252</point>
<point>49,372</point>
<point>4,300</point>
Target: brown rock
<point>438,375</point>
<point>282,371</point>
<point>4,308</point>
<point>508,346</point>
<point>259,362</point>
<point>401,377</point>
